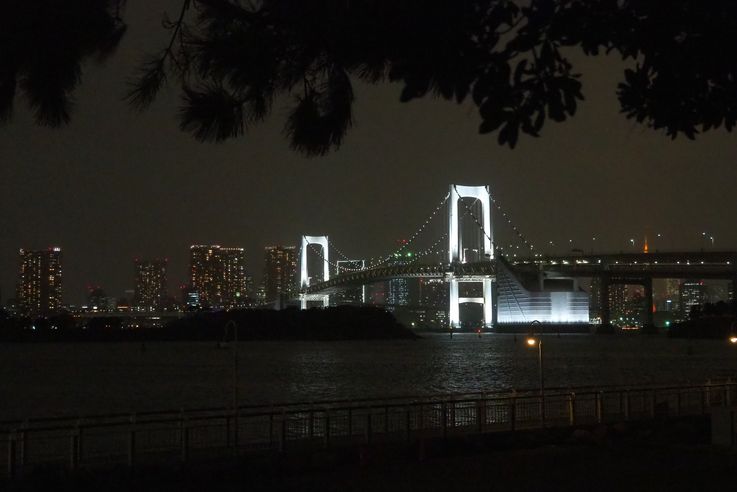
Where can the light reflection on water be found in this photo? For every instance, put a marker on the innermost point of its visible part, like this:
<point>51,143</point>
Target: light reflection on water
<point>79,379</point>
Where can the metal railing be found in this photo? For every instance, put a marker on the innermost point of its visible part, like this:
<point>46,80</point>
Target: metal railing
<point>211,434</point>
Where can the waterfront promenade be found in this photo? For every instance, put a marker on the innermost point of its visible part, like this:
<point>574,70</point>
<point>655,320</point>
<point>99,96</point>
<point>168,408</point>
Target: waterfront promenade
<point>211,435</point>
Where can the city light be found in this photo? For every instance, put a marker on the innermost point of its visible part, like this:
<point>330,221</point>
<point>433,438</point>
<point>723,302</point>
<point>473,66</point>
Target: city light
<point>531,342</point>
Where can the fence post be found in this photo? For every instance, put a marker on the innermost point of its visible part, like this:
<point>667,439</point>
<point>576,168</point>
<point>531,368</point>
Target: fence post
<point>653,399</point>
<point>236,424</point>
<point>74,449</point>
<point>513,412</point>
<point>481,415</point>
<point>368,426</point>
<point>271,428</point>
<point>572,408</point>
<point>707,390</point>
<point>444,414</point>
<point>704,398</point>
<point>227,430</point>
<point>311,425</point>
<point>284,430</point>
<point>626,395</point>
<point>327,428</point>
<point>408,423</point>
<point>24,429</point>
<point>11,455</point>
<point>728,391</point>
<point>386,419</point>
<point>421,417</point>
<point>350,423</point>
<point>132,442</point>
<point>80,441</point>
<point>725,393</point>
<point>185,440</point>
<point>180,425</point>
<point>678,402</point>
<point>599,407</point>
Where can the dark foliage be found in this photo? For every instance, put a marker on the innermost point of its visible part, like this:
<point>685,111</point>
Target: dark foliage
<point>43,44</point>
<point>507,56</point>
<point>233,58</point>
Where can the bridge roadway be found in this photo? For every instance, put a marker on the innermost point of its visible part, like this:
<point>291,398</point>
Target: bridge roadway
<point>631,268</point>
<point>624,266</point>
<point>611,268</point>
<point>471,271</point>
<point>619,267</point>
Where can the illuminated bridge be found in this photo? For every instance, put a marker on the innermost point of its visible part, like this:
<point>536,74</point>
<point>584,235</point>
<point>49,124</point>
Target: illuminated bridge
<point>473,271</point>
<point>512,287</point>
<point>456,257</point>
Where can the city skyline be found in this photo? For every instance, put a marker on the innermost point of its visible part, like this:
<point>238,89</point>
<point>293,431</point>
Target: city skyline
<point>135,185</point>
<point>257,274</point>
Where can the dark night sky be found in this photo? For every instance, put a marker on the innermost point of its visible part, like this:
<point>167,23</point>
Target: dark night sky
<point>114,184</point>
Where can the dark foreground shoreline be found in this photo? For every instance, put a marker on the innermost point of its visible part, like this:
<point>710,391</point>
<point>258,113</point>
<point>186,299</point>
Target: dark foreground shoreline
<point>338,323</point>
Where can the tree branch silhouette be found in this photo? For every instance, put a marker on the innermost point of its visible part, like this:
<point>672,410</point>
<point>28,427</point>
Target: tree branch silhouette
<point>234,58</point>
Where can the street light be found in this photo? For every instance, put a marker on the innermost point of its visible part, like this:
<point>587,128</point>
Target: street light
<point>531,342</point>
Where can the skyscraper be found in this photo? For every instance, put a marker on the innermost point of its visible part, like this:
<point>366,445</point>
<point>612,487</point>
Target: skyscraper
<point>280,272</point>
<point>150,289</point>
<point>218,275</point>
<point>39,282</point>
<point>692,293</point>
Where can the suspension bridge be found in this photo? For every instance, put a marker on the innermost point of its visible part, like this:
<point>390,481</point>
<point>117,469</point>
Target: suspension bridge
<point>509,285</point>
<point>471,266</point>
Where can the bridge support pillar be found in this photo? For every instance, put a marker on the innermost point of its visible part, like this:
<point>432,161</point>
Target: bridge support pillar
<point>454,311</point>
<point>494,304</point>
<point>488,303</point>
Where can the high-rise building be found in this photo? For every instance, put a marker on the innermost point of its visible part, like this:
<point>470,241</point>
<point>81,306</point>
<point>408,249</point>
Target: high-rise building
<point>692,293</point>
<point>39,282</point>
<point>218,275</point>
<point>280,272</point>
<point>433,295</point>
<point>150,287</point>
<point>618,304</point>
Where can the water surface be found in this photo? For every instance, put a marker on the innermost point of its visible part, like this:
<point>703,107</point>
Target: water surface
<point>81,379</point>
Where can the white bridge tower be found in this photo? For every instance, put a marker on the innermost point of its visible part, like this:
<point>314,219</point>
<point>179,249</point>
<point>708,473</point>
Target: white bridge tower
<point>482,194</point>
<point>304,278</point>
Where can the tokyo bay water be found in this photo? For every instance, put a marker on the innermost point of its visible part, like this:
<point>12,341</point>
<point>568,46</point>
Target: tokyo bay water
<point>65,379</point>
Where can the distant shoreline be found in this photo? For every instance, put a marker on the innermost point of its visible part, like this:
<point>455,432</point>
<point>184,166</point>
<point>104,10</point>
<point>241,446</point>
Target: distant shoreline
<point>331,324</point>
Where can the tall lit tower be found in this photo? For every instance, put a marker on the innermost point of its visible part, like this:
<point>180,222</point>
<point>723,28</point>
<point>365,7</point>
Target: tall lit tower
<point>39,282</point>
<point>280,272</point>
<point>218,275</point>
<point>150,289</point>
